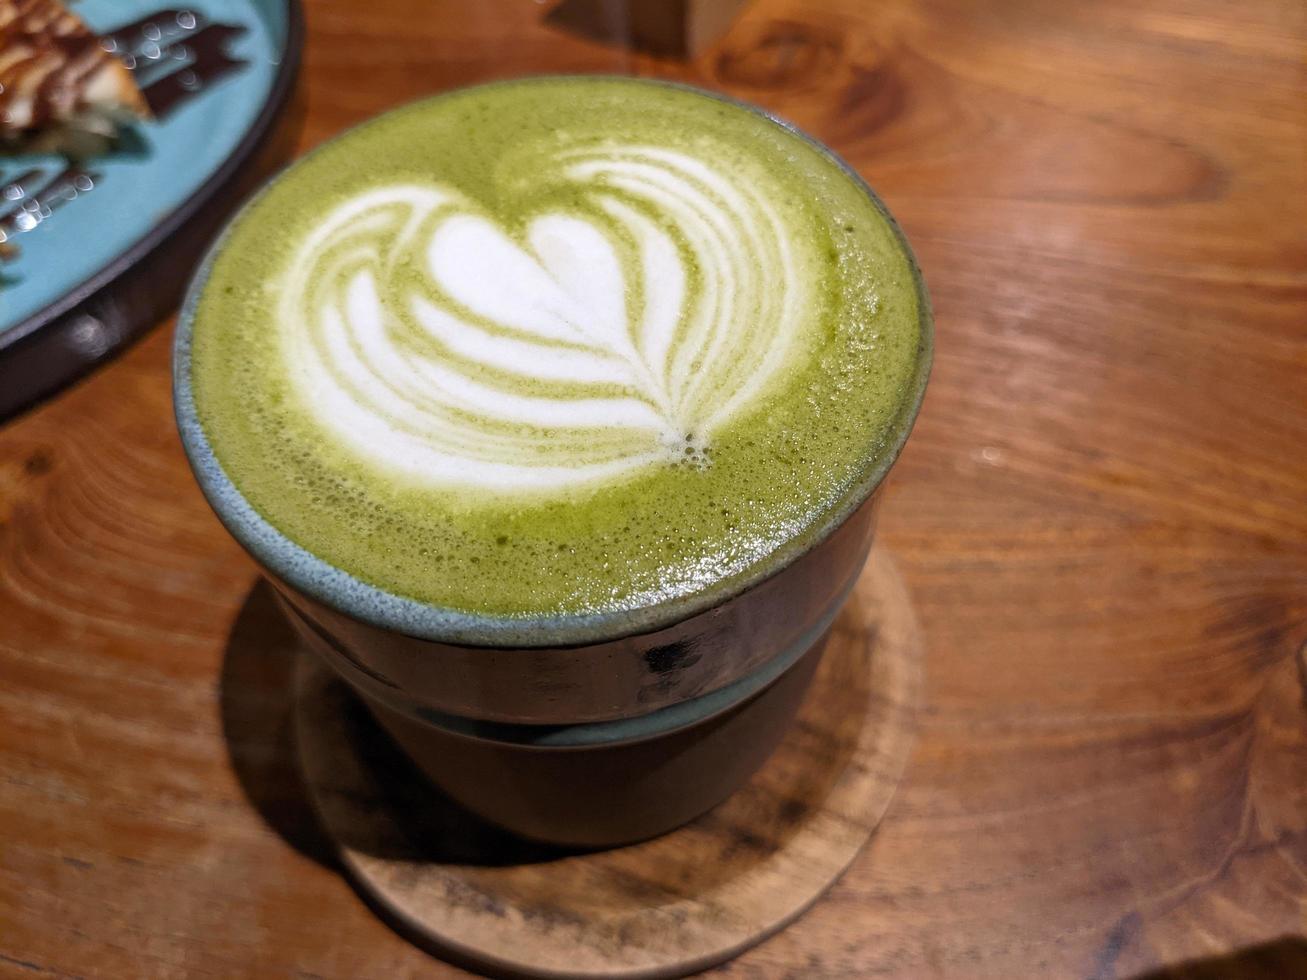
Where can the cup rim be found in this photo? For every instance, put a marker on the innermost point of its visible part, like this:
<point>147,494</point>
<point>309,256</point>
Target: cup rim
<point>305,572</point>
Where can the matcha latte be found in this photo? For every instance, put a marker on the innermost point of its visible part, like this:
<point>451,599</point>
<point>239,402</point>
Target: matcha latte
<point>558,346</point>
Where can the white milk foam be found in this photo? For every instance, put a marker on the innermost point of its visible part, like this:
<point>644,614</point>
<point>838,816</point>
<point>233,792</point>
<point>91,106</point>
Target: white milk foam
<point>595,340</point>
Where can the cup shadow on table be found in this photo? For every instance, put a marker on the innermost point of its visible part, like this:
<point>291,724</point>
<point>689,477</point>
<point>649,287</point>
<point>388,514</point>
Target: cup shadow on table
<point>258,720</point>
<point>384,806</point>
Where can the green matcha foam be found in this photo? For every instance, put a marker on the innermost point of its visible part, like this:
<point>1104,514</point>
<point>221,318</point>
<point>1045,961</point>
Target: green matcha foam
<point>557,345</point>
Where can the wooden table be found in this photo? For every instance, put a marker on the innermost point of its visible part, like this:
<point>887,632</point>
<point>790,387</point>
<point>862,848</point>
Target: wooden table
<point>1102,516</point>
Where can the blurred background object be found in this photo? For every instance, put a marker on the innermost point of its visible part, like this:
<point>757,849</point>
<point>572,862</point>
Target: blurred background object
<point>679,28</point>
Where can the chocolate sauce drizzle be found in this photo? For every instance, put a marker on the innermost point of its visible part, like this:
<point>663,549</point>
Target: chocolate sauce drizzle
<point>175,54</point>
<point>34,195</point>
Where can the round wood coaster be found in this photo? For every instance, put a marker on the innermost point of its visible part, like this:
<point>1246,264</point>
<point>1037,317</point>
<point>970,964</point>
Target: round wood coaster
<point>664,908</point>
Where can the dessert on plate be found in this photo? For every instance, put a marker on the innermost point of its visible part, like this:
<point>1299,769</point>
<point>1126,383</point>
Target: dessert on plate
<point>62,90</point>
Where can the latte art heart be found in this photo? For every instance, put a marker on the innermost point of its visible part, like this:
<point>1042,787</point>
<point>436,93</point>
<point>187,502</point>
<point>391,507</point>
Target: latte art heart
<point>619,332</point>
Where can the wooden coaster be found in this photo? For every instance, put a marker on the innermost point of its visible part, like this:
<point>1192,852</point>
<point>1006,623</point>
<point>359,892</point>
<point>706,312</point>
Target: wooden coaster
<point>664,908</point>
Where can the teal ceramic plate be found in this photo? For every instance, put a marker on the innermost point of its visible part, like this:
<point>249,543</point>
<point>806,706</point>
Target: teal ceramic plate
<point>105,244</point>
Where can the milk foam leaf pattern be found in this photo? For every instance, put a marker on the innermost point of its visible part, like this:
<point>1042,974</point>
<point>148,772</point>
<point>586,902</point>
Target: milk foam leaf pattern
<point>608,331</point>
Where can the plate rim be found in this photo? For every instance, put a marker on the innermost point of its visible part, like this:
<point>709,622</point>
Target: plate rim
<point>104,277</point>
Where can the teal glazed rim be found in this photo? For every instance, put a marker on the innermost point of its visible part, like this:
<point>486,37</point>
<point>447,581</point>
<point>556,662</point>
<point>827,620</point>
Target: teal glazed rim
<point>310,575</point>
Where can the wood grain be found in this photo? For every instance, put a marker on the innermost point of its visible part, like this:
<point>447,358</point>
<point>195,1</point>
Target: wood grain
<point>666,907</point>
<point>1102,518</point>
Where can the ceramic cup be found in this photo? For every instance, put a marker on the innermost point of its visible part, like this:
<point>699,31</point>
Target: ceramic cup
<point>585,730</point>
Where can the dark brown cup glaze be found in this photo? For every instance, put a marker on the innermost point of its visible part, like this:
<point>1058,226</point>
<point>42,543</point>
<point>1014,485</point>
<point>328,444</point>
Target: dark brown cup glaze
<point>599,745</point>
<point>602,796</point>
